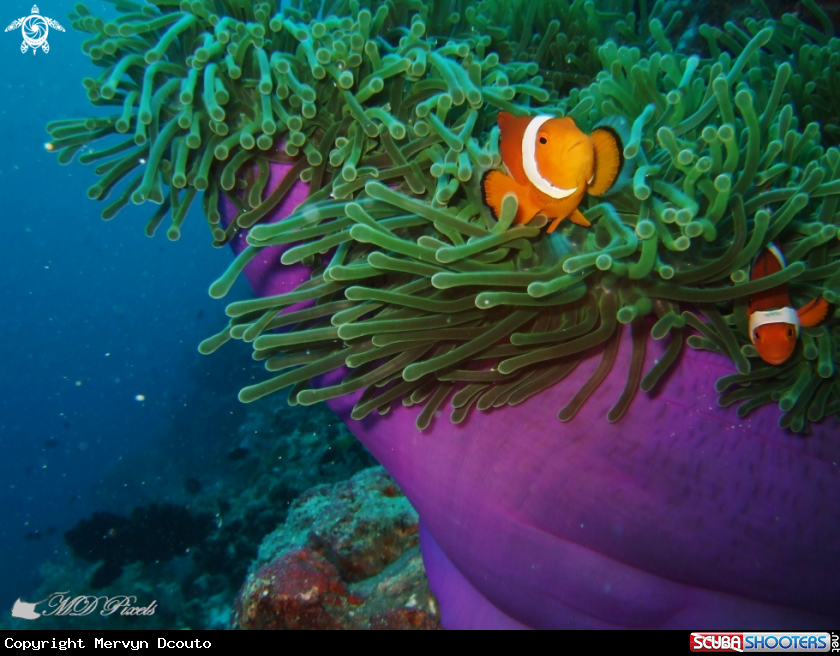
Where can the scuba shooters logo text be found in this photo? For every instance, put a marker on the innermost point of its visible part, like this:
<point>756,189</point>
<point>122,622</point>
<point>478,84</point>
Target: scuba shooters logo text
<point>792,641</point>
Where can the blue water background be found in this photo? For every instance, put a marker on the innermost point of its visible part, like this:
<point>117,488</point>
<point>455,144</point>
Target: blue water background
<point>92,314</point>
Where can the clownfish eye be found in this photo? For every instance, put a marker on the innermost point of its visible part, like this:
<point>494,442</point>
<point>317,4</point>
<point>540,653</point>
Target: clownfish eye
<point>543,140</point>
<point>790,332</point>
<point>756,335</point>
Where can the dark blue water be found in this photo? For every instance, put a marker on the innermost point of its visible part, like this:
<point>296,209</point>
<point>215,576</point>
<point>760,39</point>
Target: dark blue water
<point>92,314</point>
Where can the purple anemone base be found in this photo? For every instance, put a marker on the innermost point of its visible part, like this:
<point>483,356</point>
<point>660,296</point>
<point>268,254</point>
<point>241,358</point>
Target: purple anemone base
<point>680,515</point>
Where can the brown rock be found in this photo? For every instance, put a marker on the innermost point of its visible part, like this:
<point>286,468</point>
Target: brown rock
<point>299,590</point>
<point>405,619</point>
<point>347,558</point>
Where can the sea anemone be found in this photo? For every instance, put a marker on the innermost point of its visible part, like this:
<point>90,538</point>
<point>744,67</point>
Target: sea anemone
<point>814,55</point>
<point>388,115</point>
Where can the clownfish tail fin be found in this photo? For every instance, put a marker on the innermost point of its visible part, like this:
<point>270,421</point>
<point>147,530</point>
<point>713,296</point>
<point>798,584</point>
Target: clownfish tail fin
<point>612,171</point>
<point>813,313</point>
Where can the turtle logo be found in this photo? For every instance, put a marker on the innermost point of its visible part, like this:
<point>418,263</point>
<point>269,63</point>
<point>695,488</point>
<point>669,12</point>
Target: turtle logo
<point>35,29</point>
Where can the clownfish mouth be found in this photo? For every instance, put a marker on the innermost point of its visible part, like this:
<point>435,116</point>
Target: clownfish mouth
<point>775,361</point>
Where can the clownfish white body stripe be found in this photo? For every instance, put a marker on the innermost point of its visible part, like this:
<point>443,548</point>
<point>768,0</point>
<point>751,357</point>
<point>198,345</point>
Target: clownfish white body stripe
<point>529,161</point>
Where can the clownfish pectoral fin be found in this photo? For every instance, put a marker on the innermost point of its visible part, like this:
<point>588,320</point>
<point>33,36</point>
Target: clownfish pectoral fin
<point>496,185</point>
<point>812,313</point>
<point>609,159</point>
<point>575,217</point>
<point>578,218</point>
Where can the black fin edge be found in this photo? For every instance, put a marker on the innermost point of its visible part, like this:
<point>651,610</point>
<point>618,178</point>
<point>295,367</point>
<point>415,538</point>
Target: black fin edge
<point>620,144</point>
<point>484,193</point>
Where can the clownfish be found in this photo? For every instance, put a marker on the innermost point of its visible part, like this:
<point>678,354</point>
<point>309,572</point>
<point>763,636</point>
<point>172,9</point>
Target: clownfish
<point>774,324</point>
<point>551,165</point>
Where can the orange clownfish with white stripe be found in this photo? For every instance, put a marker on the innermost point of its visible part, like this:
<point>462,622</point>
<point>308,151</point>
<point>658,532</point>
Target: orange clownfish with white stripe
<point>774,324</point>
<point>551,165</point>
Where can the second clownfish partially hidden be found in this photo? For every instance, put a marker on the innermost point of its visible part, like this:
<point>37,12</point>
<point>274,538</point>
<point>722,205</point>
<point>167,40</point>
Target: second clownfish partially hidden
<point>774,324</point>
<point>552,164</point>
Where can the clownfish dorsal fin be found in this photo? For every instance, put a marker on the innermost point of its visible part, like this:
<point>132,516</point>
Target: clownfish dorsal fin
<point>511,132</point>
<point>770,261</point>
<point>771,247</point>
<point>505,119</point>
<point>609,159</point>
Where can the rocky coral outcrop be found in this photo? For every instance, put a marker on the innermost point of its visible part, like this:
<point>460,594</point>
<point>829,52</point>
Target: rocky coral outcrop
<point>348,557</point>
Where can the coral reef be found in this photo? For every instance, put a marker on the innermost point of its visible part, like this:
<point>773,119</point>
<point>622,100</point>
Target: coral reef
<point>346,558</point>
<point>360,525</point>
<point>151,534</point>
<point>288,451</point>
<point>300,590</point>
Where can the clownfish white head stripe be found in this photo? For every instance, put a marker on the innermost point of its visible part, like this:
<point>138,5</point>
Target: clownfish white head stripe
<point>529,161</point>
<point>783,315</point>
